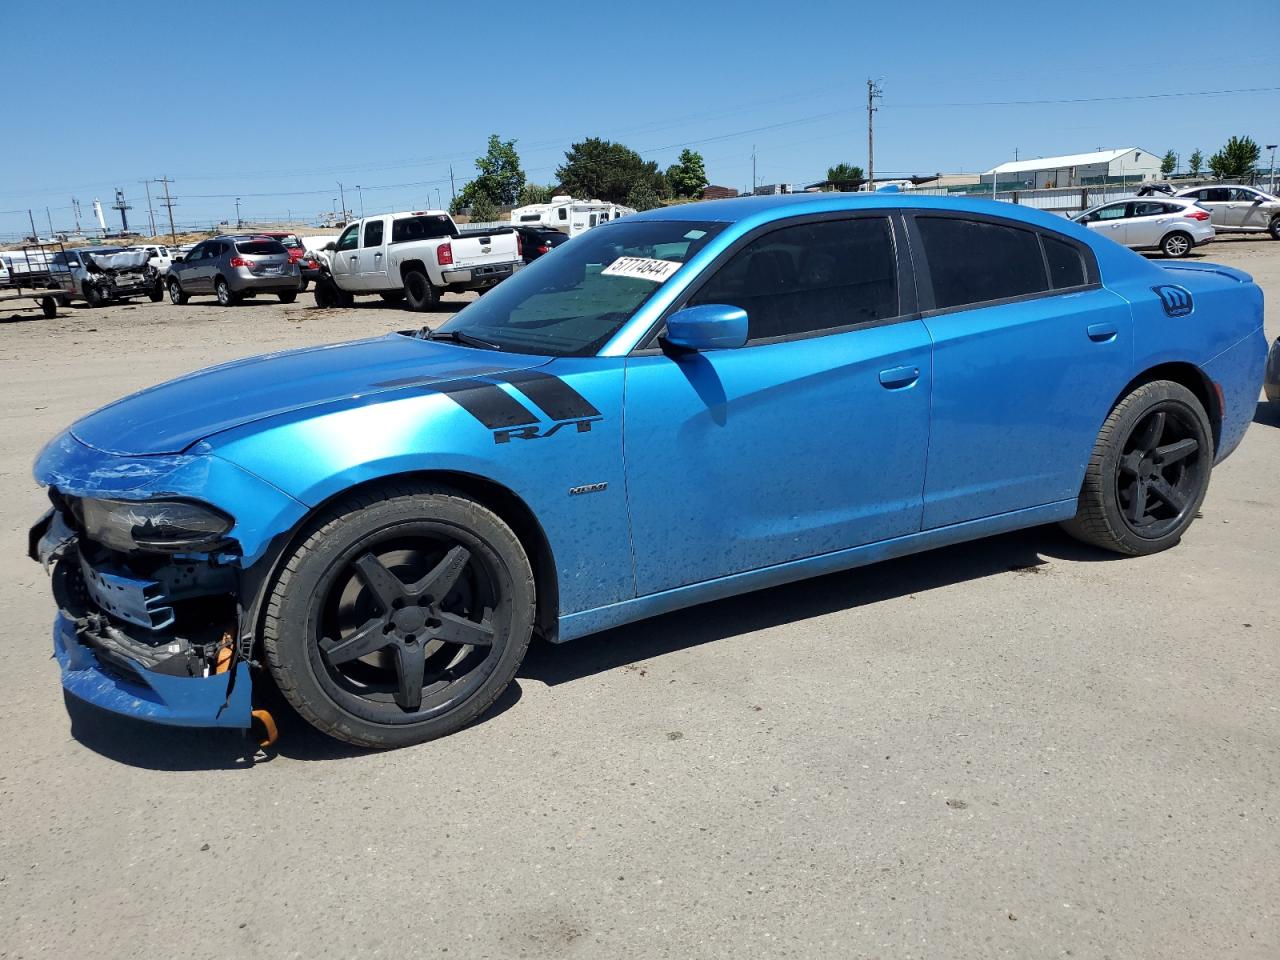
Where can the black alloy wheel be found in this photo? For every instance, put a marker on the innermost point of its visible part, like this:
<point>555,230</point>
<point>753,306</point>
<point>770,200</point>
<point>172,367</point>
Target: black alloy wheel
<point>1158,474</point>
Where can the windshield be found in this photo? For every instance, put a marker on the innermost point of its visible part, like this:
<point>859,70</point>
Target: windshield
<point>571,302</point>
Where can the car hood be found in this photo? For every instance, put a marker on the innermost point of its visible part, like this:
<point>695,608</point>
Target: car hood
<point>169,418</point>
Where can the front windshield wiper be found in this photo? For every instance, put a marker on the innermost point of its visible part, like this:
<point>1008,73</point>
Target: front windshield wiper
<point>457,336</point>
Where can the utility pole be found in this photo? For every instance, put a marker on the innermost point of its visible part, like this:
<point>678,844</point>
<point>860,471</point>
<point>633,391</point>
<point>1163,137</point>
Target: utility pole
<point>1272,148</point>
<point>48,216</point>
<point>360,190</point>
<point>453,190</point>
<point>35,237</point>
<point>168,202</point>
<point>873,93</point>
<point>239,224</point>
<point>343,194</point>
<point>439,202</point>
<point>151,214</point>
<point>754,182</point>
<point>75,213</point>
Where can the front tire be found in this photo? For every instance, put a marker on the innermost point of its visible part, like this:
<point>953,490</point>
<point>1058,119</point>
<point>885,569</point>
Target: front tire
<point>49,307</point>
<point>1177,245</point>
<point>176,296</point>
<point>401,617</point>
<point>1273,228</point>
<point>1149,472</point>
<point>94,296</point>
<point>156,293</point>
<point>419,294</point>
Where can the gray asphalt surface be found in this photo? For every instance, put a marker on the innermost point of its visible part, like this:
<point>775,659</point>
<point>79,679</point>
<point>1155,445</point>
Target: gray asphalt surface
<point>1014,748</point>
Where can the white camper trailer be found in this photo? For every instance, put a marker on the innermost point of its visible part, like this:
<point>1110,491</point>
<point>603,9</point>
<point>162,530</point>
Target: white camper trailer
<point>568,215</point>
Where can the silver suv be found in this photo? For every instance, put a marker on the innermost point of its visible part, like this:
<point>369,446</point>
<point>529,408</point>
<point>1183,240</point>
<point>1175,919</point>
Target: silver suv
<point>1238,209</point>
<point>232,268</point>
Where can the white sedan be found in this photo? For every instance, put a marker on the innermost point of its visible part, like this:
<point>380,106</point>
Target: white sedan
<point>1172,225</point>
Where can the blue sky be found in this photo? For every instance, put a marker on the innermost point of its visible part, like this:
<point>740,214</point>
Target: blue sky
<point>275,103</point>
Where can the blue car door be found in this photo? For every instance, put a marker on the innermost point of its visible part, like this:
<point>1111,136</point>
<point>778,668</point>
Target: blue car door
<point>810,438</point>
<point>1030,351</point>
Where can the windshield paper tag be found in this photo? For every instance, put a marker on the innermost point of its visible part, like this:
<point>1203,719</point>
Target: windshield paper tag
<point>641,268</point>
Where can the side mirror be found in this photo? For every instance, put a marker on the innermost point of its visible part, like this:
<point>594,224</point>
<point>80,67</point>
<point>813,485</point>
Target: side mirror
<point>710,326</point>
<point>330,246</point>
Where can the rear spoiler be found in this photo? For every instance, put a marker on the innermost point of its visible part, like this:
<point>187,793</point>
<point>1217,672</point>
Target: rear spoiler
<point>1231,273</point>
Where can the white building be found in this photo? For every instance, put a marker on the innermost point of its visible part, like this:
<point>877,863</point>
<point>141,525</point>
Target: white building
<point>569,215</point>
<point>1078,169</point>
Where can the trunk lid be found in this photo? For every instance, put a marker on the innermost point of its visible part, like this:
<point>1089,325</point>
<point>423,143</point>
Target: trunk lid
<point>169,418</point>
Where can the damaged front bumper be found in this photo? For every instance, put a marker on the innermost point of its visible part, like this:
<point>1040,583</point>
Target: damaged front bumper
<point>121,645</point>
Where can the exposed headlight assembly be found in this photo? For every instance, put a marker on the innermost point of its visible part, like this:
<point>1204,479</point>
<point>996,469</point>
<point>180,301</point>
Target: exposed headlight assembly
<point>169,526</point>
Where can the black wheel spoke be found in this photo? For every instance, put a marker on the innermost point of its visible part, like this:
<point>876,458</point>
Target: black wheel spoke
<point>443,576</point>
<point>1130,463</point>
<point>460,630</point>
<point>410,671</point>
<point>1173,452</point>
<point>370,638</point>
<point>1152,431</point>
<point>1170,495</point>
<point>1137,502</point>
<point>385,585</point>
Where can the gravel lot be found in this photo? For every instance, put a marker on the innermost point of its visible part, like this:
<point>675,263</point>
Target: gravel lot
<point>1014,748</point>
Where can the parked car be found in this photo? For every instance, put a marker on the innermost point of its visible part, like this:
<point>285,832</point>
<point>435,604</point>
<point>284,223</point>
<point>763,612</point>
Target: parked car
<point>161,259</point>
<point>414,257</point>
<point>1271,380</point>
<point>382,525</point>
<point>1172,226</point>
<point>1238,209</point>
<point>308,265</point>
<point>233,268</point>
<point>536,241</point>
<point>103,275</point>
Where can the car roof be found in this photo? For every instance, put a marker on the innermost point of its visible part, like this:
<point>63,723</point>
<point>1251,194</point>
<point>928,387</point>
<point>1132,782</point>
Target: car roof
<point>758,210</point>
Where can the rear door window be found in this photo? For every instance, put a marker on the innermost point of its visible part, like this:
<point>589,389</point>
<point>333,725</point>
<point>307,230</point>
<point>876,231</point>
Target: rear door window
<point>810,277</point>
<point>425,227</point>
<point>373,233</point>
<point>976,261</point>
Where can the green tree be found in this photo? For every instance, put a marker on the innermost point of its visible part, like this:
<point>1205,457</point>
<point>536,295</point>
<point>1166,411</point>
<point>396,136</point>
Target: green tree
<point>596,169</point>
<point>1168,164</point>
<point>534,193</point>
<point>484,210</point>
<point>500,179</point>
<point>846,176</point>
<point>1196,162</point>
<point>1236,160</point>
<point>688,175</point>
<point>643,197</point>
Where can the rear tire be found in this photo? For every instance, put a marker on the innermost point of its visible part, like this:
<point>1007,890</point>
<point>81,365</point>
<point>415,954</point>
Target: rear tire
<point>49,307</point>
<point>1274,228</point>
<point>288,297</point>
<point>419,294</point>
<point>222,290</point>
<point>1177,244</point>
<point>387,586</point>
<point>1149,472</point>
<point>176,296</point>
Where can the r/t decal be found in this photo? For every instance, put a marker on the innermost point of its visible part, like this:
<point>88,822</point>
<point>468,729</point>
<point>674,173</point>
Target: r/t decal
<point>536,431</point>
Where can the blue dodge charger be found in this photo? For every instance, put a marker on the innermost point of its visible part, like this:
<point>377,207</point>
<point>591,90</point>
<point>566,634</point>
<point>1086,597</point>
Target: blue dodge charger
<point>681,405</point>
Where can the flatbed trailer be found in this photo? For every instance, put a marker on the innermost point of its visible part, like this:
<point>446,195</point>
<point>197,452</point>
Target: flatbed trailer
<point>39,281</point>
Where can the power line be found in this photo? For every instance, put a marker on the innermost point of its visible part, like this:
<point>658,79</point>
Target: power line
<point>1132,96</point>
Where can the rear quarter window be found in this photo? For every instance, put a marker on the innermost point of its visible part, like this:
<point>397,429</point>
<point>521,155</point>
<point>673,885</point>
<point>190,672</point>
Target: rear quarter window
<point>1066,263</point>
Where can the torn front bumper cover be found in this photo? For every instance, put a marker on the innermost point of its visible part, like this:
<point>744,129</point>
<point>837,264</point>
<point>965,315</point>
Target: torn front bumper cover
<point>99,667</point>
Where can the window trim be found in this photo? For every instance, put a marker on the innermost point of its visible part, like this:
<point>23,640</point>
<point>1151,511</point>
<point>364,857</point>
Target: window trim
<point>648,344</point>
<point>924,279</point>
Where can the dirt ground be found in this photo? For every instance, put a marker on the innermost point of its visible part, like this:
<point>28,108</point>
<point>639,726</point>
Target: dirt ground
<point>1015,748</point>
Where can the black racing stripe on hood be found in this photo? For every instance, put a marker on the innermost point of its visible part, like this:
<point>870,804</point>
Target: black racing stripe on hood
<point>487,402</point>
<point>553,395</point>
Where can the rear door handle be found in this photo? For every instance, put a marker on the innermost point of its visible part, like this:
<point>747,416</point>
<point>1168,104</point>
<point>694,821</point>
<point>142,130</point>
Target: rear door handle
<point>895,378</point>
<point>1102,332</point>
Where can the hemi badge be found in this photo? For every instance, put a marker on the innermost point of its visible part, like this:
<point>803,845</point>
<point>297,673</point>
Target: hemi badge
<point>587,488</point>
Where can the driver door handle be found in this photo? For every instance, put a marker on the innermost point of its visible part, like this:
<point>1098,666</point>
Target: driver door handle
<point>897,378</point>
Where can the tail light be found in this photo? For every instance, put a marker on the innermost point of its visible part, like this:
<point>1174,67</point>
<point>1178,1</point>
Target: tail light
<point>544,249</point>
<point>1197,215</point>
<point>241,262</point>
<point>444,254</point>
<point>519,245</point>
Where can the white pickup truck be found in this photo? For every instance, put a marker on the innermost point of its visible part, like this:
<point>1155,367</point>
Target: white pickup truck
<point>414,257</point>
